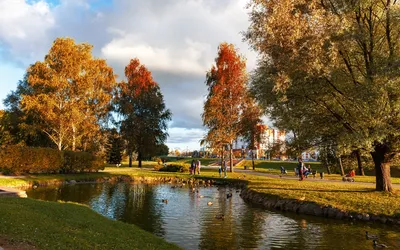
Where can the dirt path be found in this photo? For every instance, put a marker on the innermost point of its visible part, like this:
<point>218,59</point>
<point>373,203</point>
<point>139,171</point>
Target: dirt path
<point>10,245</point>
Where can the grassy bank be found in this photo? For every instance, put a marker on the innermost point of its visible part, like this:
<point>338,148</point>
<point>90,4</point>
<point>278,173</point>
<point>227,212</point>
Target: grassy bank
<point>50,225</point>
<point>350,197</point>
<point>273,167</point>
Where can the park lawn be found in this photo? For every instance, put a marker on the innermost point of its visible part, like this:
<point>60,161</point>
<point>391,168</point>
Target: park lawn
<point>350,197</point>
<point>145,164</point>
<point>56,225</point>
<point>37,178</point>
<point>273,167</point>
<point>203,161</point>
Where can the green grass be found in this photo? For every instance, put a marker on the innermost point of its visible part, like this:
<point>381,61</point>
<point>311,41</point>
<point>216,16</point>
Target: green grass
<point>51,225</point>
<point>356,198</point>
<point>273,167</point>
<point>203,161</point>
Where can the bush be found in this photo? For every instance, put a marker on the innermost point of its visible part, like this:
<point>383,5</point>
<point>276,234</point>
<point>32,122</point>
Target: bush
<point>75,162</point>
<point>19,160</point>
<point>175,167</point>
<point>30,160</point>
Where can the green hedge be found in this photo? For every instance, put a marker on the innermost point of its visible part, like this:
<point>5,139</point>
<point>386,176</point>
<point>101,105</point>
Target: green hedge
<point>81,162</point>
<point>30,160</point>
<point>175,167</point>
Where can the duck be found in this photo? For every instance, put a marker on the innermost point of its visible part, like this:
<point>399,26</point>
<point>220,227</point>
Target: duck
<point>164,201</point>
<point>209,203</point>
<point>371,236</point>
<point>220,217</point>
<point>229,195</point>
<point>379,245</point>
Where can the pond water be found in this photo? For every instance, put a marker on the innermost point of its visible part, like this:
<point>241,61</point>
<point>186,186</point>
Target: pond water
<point>191,223</point>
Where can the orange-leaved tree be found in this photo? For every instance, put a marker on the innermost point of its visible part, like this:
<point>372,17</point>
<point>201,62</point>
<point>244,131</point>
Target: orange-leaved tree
<point>141,105</point>
<point>226,83</point>
<point>71,92</point>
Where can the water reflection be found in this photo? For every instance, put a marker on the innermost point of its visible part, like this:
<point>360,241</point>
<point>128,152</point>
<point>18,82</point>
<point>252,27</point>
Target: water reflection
<point>188,221</point>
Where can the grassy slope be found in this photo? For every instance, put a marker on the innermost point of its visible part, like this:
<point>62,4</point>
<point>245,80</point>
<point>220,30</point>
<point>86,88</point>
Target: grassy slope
<point>51,225</point>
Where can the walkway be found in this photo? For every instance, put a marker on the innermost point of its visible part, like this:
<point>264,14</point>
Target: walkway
<point>11,192</point>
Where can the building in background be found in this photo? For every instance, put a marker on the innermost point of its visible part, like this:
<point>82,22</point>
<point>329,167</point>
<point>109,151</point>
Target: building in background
<point>271,145</point>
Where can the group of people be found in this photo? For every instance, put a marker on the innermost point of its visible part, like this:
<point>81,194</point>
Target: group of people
<point>302,170</point>
<point>195,167</point>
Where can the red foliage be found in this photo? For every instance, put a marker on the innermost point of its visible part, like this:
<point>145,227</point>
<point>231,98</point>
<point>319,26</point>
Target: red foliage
<point>139,78</point>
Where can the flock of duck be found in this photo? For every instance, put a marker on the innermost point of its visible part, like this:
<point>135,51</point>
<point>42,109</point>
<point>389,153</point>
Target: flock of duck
<point>374,239</point>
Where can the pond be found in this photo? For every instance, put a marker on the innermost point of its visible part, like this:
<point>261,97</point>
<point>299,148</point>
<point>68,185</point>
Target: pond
<point>188,220</point>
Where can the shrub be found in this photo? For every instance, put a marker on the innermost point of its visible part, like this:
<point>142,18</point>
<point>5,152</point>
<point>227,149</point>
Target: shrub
<point>24,160</point>
<point>19,160</point>
<point>175,167</point>
<point>81,162</point>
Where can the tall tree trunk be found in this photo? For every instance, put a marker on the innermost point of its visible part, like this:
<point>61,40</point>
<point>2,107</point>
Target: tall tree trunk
<point>328,169</point>
<point>252,159</point>
<point>359,163</point>
<point>382,168</point>
<point>231,157</point>
<point>341,166</point>
<point>130,158</point>
<point>140,159</point>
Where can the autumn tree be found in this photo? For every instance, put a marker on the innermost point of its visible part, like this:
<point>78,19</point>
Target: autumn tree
<point>226,91</point>
<point>71,92</point>
<point>20,127</point>
<point>329,69</point>
<point>144,116</point>
<point>251,125</point>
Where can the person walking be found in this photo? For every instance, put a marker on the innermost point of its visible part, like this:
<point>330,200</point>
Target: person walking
<point>198,167</point>
<point>192,168</point>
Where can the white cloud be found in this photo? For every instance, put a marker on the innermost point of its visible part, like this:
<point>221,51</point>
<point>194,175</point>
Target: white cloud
<point>184,138</point>
<point>187,59</point>
<point>23,26</point>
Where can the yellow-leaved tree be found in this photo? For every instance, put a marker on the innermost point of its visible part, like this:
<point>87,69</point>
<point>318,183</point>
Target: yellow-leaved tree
<point>71,92</point>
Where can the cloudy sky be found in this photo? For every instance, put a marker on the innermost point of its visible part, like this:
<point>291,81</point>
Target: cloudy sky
<point>176,39</point>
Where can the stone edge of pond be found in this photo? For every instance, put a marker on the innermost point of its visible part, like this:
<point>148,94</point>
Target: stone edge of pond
<point>309,208</point>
